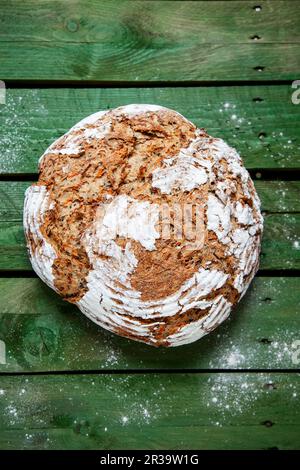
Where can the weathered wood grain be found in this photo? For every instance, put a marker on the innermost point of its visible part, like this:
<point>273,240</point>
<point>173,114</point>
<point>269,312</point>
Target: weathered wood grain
<point>260,121</point>
<point>162,411</point>
<point>43,333</point>
<point>204,63</point>
<point>149,40</point>
<point>113,21</point>
<point>277,196</point>
<point>280,246</point>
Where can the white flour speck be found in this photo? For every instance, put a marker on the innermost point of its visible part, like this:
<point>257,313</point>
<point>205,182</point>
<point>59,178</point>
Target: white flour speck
<point>235,358</point>
<point>124,420</point>
<point>17,126</point>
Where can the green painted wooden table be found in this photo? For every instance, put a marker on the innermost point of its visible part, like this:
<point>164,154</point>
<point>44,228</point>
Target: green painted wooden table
<point>229,67</point>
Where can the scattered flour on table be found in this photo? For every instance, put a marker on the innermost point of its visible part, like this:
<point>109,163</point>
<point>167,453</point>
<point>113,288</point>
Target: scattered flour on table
<point>279,146</point>
<point>231,395</point>
<point>135,403</point>
<point>285,146</point>
<point>18,119</point>
<point>131,400</point>
<point>280,195</point>
<point>113,354</point>
<point>276,352</point>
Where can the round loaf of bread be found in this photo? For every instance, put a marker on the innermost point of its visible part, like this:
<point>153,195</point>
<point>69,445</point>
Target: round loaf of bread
<point>148,224</point>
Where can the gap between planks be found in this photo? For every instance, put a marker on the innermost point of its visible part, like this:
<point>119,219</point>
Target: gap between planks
<point>149,372</point>
<point>11,84</point>
<point>257,174</point>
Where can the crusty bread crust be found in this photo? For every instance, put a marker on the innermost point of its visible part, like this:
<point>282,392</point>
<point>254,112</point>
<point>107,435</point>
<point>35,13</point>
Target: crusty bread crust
<point>123,267</point>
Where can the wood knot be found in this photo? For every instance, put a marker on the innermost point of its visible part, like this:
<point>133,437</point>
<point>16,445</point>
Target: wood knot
<point>259,68</point>
<point>270,386</point>
<point>262,135</point>
<point>39,342</point>
<point>72,25</point>
<point>265,341</point>
<point>267,423</point>
<point>82,427</point>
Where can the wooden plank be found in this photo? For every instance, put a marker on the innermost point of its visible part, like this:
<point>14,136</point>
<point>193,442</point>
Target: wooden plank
<point>260,121</point>
<point>164,411</point>
<point>43,333</point>
<point>204,63</point>
<point>220,21</point>
<point>275,196</point>
<point>280,246</point>
<point>146,40</point>
<point>279,196</point>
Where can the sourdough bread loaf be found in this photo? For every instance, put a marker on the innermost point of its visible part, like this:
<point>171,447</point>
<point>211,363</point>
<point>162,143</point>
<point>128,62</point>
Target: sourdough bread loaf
<point>148,224</point>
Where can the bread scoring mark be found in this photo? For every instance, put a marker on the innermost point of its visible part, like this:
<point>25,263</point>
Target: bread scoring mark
<point>193,331</point>
<point>242,241</point>
<point>42,254</point>
<point>106,313</point>
<point>247,250</point>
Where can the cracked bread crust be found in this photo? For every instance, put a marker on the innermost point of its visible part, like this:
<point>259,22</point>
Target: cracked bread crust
<point>140,160</point>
